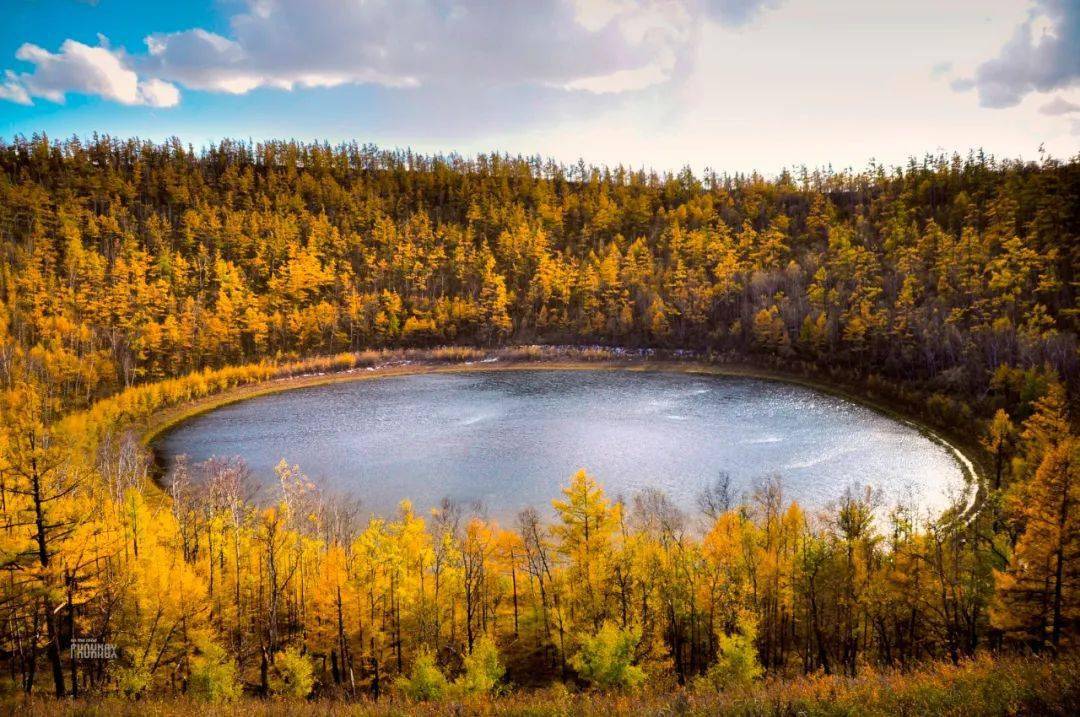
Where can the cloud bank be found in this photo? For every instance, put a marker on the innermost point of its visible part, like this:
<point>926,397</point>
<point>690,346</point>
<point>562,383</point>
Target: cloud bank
<point>1035,59</point>
<point>594,46</point>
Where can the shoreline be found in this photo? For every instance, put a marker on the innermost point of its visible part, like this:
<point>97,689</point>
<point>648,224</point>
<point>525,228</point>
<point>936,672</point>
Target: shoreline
<point>161,422</point>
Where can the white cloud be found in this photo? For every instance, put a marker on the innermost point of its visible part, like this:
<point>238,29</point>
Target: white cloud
<point>1059,106</point>
<point>87,70</point>
<point>158,93</point>
<point>739,12</point>
<point>1042,55</point>
<point>593,46</point>
<point>13,91</point>
<point>622,80</point>
<point>567,43</point>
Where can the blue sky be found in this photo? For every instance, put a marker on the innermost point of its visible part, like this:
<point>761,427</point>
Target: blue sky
<point>730,84</point>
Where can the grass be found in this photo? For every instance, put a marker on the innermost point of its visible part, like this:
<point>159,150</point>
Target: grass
<point>976,688</point>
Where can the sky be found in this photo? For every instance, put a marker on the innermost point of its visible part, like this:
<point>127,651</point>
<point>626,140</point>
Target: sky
<point>731,85</point>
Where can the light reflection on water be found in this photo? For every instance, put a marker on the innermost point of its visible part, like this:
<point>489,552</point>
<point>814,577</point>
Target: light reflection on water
<point>512,438</point>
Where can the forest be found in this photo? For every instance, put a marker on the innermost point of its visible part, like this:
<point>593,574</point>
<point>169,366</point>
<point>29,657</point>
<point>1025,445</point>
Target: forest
<point>139,276</point>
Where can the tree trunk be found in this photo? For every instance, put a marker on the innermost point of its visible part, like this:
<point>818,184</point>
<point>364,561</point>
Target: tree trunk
<point>51,631</point>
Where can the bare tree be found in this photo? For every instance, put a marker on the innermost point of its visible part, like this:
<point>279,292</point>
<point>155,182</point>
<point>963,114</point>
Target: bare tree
<point>717,497</point>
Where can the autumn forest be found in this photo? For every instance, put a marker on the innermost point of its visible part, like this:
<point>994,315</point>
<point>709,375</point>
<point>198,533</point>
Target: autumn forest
<point>138,279</point>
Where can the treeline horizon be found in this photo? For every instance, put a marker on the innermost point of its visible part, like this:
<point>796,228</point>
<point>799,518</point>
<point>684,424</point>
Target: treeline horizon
<point>371,156</point>
<point>137,277</point>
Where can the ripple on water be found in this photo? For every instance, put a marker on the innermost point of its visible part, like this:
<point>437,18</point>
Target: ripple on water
<point>512,438</point>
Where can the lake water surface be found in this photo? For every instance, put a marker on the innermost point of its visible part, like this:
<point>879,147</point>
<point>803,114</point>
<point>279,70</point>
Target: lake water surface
<point>511,438</point>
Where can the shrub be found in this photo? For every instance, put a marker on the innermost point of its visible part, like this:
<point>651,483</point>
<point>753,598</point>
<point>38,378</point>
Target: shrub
<point>736,665</point>
<point>606,658</point>
<point>132,680</point>
<point>213,675</point>
<point>425,681</point>
<point>293,675</point>
<point>483,670</point>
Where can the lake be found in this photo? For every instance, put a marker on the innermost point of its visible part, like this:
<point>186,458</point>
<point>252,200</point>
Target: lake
<point>511,438</point>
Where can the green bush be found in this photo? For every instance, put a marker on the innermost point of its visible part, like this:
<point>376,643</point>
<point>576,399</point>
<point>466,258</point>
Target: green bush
<point>606,658</point>
<point>483,670</point>
<point>425,681</point>
<point>292,675</point>
<point>213,675</point>
<point>736,665</point>
<point>132,680</point>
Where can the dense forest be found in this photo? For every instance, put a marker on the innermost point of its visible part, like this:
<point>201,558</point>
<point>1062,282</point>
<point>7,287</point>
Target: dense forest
<point>137,276</point>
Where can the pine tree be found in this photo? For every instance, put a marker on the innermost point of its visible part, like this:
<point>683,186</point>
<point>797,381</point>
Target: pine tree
<point>1039,593</point>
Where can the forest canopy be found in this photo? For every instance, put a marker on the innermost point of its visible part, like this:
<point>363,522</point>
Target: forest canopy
<point>130,261</point>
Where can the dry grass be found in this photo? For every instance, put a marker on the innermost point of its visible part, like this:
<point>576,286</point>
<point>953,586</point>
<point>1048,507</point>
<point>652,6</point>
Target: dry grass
<point>1010,686</point>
